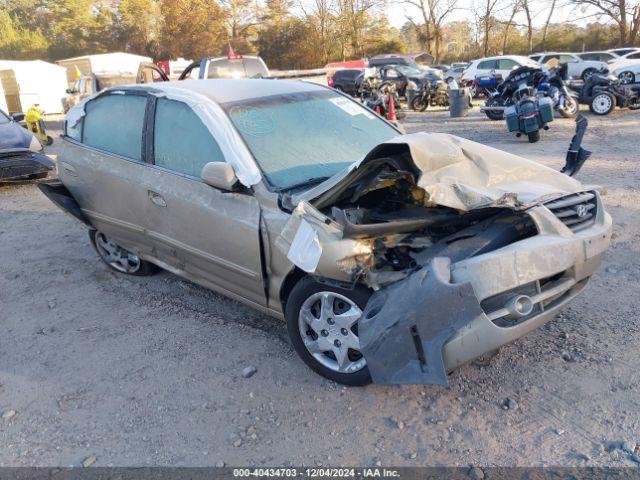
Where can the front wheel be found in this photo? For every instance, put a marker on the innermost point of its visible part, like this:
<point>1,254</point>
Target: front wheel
<point>602,103</point>
<point>419,103</point>
<point>587,73</point>
<point>534,136</point>
<point>322,321</point>
<point>570,108</point>
<point>494,114</point>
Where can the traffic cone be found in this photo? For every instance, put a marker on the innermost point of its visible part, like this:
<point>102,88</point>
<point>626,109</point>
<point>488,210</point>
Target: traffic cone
<point>391,113</point>
<point>378,109</point>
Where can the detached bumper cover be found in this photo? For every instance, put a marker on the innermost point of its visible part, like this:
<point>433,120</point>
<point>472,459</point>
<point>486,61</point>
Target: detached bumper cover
<point>23,163</point>
<point>443,316</point>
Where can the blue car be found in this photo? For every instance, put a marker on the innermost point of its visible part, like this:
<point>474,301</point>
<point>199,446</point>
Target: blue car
<point>21,154</point>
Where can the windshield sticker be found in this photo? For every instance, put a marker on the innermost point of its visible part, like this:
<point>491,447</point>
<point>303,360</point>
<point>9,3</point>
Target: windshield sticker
<point>252,121</point>
<point>350,107</point>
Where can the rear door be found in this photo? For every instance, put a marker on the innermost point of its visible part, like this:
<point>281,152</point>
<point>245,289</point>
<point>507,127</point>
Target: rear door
<point>102,164</point>
<point>210,235</point>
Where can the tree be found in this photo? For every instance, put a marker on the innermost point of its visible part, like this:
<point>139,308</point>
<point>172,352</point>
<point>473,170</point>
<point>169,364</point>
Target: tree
<point>241,18</point>
<point>20,43</point>
<point>624,13</point>
<point>191,29</point>
<point>139,26</point>
<point>433,13</point>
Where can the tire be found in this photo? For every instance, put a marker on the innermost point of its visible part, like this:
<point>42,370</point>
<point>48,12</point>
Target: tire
<point>49,141</point>
<point>534,136</point>
<point>130,265</point>
<point>570,109</point>
<point>447,80</point>
<point>493,114</point>
<point>304,304</point>
<point>627,78</point>
<point>473,91</point>
<point>419,104</point>
<point>338,88</point>
<point>602,103</point>
<point>587,73</point>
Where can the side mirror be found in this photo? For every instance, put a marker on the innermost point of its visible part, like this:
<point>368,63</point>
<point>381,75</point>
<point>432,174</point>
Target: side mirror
<point>219,175</point>
<point>18,117</point>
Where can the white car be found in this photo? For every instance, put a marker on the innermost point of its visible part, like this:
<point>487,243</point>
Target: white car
<point>500,65</point>
<point>622,52</point>
<point>627,71</point>
<point>580,65</point>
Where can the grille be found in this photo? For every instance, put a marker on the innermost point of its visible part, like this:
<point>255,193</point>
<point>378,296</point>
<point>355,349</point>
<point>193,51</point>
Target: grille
<point>577,211</point>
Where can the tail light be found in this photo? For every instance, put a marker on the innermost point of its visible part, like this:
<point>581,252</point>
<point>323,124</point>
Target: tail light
<point>330,81</point>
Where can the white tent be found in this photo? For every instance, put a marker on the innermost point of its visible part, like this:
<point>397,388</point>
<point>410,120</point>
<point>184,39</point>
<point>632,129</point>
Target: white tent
<point>35,81</point>
<point>116,62</point>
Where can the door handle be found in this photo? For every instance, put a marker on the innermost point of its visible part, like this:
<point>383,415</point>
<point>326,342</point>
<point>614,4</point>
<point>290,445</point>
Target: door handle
<point>156,198</point>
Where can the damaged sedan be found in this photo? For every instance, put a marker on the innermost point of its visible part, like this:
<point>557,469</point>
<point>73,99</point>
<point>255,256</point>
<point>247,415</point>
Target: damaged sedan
<point>393,258</point>
<point>21,153</point>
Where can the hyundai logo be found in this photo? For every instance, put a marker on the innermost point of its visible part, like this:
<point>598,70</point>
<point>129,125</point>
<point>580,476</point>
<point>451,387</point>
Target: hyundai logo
<point>581,211</point>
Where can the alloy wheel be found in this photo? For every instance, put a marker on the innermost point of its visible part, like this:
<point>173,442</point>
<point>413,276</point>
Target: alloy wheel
<point>626,78</point>
<point>328,327</point>
<point>116,256</point>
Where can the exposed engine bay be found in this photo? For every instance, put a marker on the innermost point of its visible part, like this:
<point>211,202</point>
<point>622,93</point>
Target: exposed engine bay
<point>400,220</point>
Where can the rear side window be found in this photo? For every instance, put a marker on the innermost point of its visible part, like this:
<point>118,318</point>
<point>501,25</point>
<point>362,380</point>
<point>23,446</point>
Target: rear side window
<point>487,65</point>
<point>507,64</point>
<point>634,56</point>
<point>181,141</point>
<point>114,123</point>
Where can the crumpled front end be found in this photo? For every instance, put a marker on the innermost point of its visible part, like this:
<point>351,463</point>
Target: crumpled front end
<point>465,247</point>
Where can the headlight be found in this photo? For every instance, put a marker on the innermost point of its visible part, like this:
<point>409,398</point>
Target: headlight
<point>35,144</point>
<point>411,85</point>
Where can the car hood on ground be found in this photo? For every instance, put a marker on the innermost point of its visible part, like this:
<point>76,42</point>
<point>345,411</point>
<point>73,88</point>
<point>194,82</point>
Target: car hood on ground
<point>13,136</point>
<point>455,173</point>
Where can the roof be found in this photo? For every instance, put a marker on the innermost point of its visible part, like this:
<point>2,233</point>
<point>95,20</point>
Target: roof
<point>232,90</point>
<point>106,55</point>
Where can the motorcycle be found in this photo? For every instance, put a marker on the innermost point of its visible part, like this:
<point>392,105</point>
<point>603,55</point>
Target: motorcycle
<point>529,114</point>
<point>551,85</point>
<point>603,91</point>
<point>554,86</point>
<point>376,97</point>
<point>435,94</point>
<point>485,84</point>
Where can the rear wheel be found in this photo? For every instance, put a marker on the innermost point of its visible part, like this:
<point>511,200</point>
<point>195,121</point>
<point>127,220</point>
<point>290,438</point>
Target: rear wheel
<point>534,136</point>
<point>602,103</point>
<point>627,78</point>
<point>118,258</point>
<point>322,321</point>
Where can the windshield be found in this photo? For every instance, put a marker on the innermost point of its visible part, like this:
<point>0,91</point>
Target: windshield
<point>306,137</point>
<point>407,71</point>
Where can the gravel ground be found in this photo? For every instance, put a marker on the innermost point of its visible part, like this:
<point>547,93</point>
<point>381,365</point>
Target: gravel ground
<point>127,371</point>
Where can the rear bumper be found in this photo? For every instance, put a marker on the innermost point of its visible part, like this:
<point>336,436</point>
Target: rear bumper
<point>551,268</point>
<point>22,164</point>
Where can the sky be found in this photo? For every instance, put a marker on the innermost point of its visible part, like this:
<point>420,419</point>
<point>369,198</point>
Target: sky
<point>397,14</point>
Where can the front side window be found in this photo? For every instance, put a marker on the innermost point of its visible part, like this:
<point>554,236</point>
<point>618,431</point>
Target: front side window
<point>300,137</point>
<point>181,141</point>
<point>114,123</point>
<point>634,56</point>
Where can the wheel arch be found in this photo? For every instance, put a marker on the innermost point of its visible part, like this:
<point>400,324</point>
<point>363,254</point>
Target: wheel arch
<point>290,280</point>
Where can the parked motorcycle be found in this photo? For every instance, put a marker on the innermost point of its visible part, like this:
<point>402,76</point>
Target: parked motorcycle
<point>529,114</point>
<point>485,84</point>
<point>603,91</point>
<point>551,85</point>
<point>377,98</point>
<point>435,94</point>
<point>554,85</point>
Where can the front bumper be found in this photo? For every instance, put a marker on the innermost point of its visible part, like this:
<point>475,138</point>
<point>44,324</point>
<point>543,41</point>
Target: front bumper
<point>563,260</point>
<point>22,164</point>
<point>444,315</point>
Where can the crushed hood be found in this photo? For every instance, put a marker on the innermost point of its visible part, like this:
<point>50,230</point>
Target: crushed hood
<point>457,173</point>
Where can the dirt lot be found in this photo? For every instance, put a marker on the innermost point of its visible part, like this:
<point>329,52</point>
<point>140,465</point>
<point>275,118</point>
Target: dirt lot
<point>147,371</point>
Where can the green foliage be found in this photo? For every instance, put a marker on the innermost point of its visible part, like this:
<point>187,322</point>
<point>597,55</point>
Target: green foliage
<point>17,42</point>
